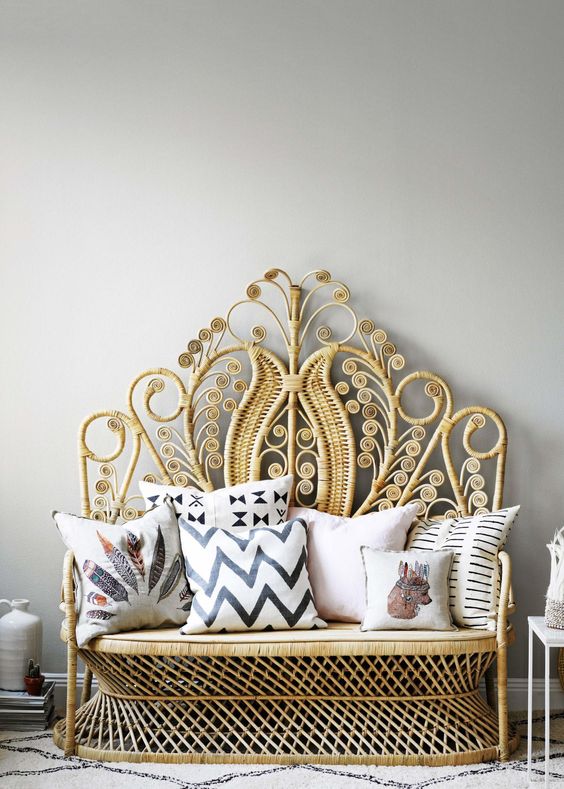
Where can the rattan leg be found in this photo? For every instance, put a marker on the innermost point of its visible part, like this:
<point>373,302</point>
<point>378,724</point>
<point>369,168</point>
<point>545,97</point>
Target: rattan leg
<point>70,745</point>
<point>490,688</point>
<point>502,702</point>
<point>87,686</point>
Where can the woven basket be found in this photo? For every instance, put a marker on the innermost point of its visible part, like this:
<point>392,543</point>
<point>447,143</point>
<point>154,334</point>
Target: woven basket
<point>554,613</point>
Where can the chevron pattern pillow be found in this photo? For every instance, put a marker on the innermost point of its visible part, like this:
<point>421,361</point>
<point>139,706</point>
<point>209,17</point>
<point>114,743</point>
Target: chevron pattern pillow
<point>474,578</point>
<point>262,503</point>
<point>248,580</point>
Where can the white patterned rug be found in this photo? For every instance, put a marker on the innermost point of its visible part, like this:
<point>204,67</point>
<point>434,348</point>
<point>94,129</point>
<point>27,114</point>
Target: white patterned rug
<point>31,761</point>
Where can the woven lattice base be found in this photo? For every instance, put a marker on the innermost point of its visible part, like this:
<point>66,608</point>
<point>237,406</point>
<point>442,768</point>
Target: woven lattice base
<point>408,709</point>
<point>456,730</point>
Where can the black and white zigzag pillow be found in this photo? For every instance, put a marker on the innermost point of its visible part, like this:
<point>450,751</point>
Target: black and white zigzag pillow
<point>248,580</point>
<point>474,578</point>
<point>263,503</point>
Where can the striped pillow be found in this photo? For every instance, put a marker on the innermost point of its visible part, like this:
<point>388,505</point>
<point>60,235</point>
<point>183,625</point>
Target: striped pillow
<point>474,579</point>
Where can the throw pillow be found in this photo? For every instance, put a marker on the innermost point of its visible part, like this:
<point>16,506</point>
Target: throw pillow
<point>334,562</point>
<point>262,503</point>
<point>131,576</point>
<point>248,580</point>
<point>406,590</point>
<point>474,580</point>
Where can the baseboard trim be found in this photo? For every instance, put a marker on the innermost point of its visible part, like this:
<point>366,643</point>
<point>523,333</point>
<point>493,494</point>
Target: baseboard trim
<point>516,691</point>
<point>60,681</point>
<point>517,694</point>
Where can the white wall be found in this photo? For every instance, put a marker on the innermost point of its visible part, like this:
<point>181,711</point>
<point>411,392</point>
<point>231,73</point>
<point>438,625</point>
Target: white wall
<point>157,156</point>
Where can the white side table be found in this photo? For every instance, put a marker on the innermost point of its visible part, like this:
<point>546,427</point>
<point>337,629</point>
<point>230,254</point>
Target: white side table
<point>551,638</point>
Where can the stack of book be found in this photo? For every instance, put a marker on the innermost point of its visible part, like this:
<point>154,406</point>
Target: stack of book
<point>21,712</point>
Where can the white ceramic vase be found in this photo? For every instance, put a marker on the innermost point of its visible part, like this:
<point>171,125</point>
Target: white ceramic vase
<point>20,640</point>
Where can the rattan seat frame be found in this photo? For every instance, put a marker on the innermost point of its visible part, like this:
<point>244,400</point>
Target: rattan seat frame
<point>337,696</point>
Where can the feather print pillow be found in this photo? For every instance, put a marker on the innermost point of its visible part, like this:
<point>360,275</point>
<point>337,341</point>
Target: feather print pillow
<point>131,575</point>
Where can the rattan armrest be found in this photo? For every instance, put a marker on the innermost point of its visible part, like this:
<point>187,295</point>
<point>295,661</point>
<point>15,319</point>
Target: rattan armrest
<point>506,604</point>
<point>68,597</point>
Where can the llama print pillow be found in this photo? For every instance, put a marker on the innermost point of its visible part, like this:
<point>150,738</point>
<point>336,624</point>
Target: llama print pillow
<point>406,590</point>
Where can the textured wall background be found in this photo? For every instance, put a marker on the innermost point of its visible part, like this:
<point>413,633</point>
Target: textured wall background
<point>157,156</point>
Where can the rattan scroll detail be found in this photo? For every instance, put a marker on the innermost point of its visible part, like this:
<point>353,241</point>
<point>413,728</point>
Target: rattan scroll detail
<point>313,393</point>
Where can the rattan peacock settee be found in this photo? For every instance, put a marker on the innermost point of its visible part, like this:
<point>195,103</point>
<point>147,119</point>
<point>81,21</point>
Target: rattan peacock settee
<point>291,396</point>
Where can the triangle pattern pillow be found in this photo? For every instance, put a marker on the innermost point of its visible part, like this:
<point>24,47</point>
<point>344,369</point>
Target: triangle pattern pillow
<point>262,503</point>
<point>248,580</point>
<point>474,579</point>
<point>182,498</point>
<point>131,576</point>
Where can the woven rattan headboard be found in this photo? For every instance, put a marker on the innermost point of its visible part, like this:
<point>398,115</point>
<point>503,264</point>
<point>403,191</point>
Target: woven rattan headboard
<point>298,398</point>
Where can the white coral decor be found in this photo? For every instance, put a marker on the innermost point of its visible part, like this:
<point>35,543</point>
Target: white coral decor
<point>554,612</point>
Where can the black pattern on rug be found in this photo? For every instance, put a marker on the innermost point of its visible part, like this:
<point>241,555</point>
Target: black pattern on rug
<point>58,765</point>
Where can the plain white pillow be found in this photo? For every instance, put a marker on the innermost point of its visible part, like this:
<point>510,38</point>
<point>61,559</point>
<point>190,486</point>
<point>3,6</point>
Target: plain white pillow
<point>334,561</point>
